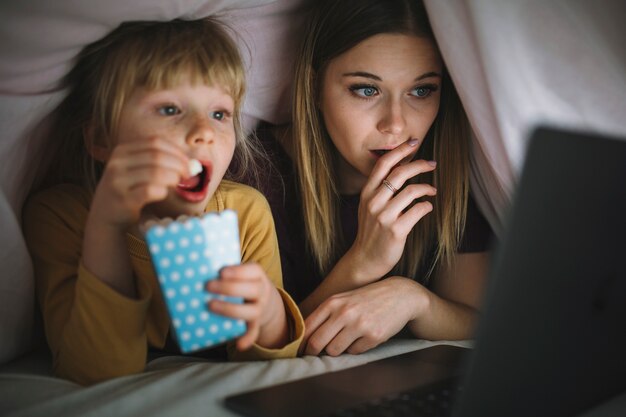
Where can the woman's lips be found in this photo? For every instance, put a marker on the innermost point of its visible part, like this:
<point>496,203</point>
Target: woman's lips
<point>379,152</point>
<point>194,189</point>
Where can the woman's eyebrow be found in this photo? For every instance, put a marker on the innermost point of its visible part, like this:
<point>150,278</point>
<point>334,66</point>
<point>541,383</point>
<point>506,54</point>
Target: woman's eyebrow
<point>428,75</point>
<point>377,78</point>
<point>362,74</point>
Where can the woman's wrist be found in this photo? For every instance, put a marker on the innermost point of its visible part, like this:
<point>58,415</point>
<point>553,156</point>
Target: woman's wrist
<point>353,270</point>
<point>437,318</point>
<point>420,298</point>
<point>346,275</point>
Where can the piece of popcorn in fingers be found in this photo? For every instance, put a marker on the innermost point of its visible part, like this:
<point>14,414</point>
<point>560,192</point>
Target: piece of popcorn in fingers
<point>195,167</point>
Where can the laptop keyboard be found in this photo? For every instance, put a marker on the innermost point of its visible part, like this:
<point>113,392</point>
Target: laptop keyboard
<point>435,400</point>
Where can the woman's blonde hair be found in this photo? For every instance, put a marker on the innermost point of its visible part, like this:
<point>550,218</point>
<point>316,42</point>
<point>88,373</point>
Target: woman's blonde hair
<point>151,55</point>
<point>334,28</point>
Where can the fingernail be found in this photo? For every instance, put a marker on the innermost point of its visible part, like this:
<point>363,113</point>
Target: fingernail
<point>413,142</point>
<point>432,163</point>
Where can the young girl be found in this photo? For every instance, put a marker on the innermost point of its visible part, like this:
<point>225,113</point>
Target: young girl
<point>142,103</point>
<point>380,144</point>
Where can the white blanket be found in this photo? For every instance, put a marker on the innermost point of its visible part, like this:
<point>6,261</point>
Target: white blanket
<point>180,386</point>
<point>171,386</point>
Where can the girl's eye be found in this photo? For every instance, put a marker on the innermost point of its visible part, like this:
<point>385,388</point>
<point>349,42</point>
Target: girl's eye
<point>169,110</point>
<point>221,115</point>
<point>366,91</point>
<point>424,91</point>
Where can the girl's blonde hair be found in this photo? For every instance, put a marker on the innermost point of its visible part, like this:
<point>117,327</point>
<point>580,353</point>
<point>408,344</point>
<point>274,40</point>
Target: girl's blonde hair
<point>334,28</point>
<point>151,55</point>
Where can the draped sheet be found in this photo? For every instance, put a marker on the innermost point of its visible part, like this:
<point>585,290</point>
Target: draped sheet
<point>518,64</point>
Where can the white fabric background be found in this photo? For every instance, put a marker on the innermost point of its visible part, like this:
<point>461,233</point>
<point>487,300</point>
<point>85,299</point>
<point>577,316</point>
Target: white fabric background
<point>515,64</point>
<point>519,63</point>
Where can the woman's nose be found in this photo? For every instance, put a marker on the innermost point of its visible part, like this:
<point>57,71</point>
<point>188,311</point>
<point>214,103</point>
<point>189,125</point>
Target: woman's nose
<point>200,132</point>
<point>392,119</point>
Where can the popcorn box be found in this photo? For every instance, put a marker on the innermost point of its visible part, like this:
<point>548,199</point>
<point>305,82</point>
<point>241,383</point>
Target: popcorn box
<point>186,253</point>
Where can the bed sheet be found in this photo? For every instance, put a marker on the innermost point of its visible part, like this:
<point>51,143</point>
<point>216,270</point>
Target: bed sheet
<point>170,386</point>
<point>185,386</point>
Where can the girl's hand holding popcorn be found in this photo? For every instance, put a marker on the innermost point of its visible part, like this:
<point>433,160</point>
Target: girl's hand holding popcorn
<point>263,309</point>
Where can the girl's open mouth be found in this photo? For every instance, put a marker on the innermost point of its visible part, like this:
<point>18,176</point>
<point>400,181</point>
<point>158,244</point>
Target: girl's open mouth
<point>194,189</point>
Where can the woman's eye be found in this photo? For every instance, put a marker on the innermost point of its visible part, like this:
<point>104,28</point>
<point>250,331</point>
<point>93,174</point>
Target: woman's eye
<point>364,90</point>
<point>169,110</point>
<point>424,91</point>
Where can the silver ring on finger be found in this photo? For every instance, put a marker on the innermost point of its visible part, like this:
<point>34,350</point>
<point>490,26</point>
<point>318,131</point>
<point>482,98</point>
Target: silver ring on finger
<point>390,186</point>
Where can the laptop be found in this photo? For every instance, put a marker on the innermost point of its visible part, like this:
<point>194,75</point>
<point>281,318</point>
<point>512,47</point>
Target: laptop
<point>551,340</point>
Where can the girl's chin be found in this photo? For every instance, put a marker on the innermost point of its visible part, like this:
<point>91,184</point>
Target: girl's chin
<point>174,206</point>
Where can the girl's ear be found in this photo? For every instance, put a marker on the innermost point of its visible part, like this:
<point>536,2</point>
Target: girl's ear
<point>98,152</point>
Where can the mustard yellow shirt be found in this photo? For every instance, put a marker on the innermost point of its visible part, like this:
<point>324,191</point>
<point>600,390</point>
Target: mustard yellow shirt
<point>94,332</point>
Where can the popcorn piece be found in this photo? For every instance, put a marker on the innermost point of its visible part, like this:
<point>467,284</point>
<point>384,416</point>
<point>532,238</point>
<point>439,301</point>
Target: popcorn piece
<point>195,167</point>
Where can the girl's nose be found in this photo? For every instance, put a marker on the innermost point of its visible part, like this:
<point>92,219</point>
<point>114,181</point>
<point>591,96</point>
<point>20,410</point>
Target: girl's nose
<point>392,119</point>
<point>201,132</point>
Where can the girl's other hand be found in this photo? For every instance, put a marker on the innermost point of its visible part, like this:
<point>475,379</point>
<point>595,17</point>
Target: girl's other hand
<point>263,308</point>
<point>359,320</point>
<point>387,214</point>
<point>137,173</point>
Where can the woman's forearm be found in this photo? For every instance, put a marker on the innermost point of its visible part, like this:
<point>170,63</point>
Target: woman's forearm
<point>343,277</point>
<point>441,319</point>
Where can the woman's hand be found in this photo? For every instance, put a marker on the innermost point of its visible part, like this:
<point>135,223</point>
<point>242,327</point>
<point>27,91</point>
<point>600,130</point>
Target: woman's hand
<point>136,174</point>
<point>359,320</point>
<point>387,216</point>
<point>263,308</point>
<point>385,220</point>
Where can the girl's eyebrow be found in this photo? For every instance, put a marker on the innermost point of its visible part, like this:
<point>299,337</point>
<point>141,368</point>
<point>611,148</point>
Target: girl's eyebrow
<point>377,78</point>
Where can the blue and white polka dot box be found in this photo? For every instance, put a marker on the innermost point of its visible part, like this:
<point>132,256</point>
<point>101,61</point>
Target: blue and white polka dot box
<point>187,253</point>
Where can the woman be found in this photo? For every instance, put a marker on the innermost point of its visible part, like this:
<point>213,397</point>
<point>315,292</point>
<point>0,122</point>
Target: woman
<point>380,143</point>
